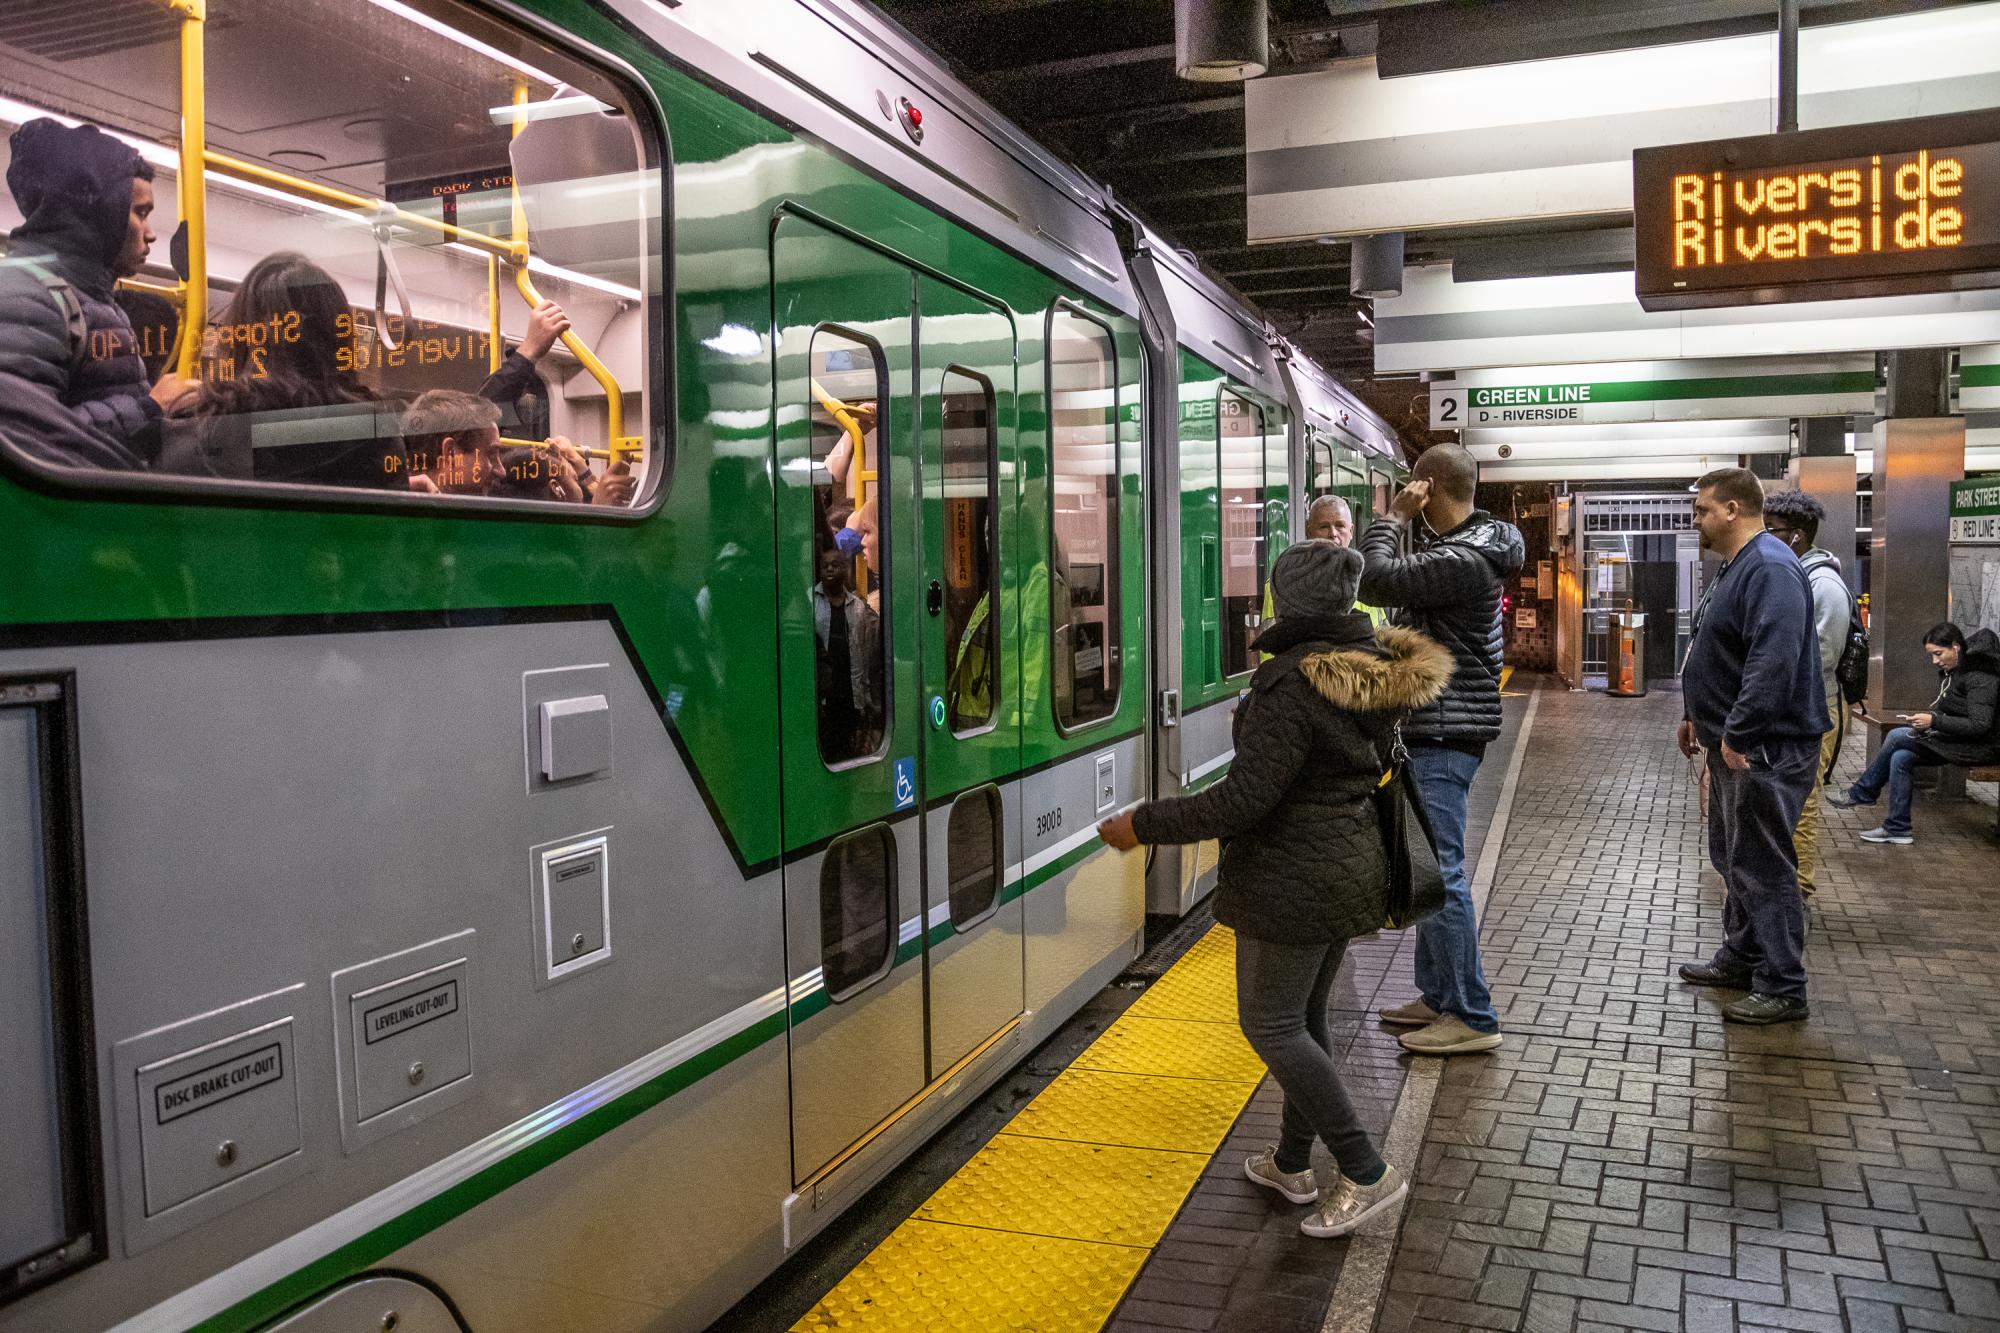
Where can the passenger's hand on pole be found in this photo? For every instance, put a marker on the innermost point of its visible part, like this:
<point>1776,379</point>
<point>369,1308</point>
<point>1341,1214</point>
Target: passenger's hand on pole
<point>1735,758</point>
<point>1117,832</point>
<point>1686,737</point>
<point>615,487</point>
<point>173,392</point>
<point>546,323</point>
<point>1410,501</point>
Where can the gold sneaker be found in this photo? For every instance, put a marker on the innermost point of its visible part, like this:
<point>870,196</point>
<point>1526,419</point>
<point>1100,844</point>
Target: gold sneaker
<point>1262,1168</point>
<point>1347,1205</point>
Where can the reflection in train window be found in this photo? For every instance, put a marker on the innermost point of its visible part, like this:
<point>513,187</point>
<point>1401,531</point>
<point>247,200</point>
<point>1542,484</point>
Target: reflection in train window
<point>972,856</point>
<point>445,285</point>
<point>1083,522</point>
<point>850,650</point>
<point>1239,463</point>
<point>857,911</point>
<point>971,545</point>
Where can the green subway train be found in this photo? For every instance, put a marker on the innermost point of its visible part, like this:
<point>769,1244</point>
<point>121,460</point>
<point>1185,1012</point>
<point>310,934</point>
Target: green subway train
<point>567,641</point>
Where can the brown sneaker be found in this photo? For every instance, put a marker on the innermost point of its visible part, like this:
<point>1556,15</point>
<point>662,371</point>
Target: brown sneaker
<point>1448,1036</point>
<point>1415,1014</point>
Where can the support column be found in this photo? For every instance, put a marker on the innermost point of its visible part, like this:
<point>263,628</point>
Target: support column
<point>1825,471</point>
<point>1919,452</point>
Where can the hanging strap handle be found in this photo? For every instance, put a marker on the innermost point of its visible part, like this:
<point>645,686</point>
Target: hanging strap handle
<point>388,275</point>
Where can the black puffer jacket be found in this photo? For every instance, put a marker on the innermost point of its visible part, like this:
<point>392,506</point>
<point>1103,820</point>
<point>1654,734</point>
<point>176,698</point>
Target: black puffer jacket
<point>1965,726</point>
<point>83,402</point>
<point>1302,857</point>
<point>1449,587</point>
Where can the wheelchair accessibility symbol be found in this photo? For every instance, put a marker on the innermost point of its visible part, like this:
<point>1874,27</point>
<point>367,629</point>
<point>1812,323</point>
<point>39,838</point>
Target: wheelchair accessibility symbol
<point>906,782</point>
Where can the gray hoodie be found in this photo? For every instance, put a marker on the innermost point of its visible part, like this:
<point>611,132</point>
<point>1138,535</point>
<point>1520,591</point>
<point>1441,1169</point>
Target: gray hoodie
<point>1830,606</point>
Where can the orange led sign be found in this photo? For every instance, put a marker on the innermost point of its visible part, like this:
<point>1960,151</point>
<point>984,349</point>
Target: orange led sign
<point>1864,210</point>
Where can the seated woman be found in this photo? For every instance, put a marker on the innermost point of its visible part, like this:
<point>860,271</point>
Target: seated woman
<point>1961,727</point>
<point>1304,866</point>
<point>277,402</point>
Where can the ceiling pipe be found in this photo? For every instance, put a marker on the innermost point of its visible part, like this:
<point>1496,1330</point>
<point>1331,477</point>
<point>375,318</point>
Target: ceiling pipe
<point>1221,41</point>
<point>1375,265</point>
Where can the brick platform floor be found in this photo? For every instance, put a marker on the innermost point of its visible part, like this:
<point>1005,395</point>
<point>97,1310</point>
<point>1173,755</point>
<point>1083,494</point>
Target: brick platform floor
<point>1627,1160</point>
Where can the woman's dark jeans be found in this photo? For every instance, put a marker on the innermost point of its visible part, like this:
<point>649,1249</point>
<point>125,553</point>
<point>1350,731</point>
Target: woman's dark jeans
<point>1900,756</point>
<point>1281,993</point>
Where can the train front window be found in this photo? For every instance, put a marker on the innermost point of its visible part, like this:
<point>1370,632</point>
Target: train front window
<point>1239,442</point>
<point>971,539</point>
<point>421,258</point>
<point>848,549</point>
<point>1083,520</point>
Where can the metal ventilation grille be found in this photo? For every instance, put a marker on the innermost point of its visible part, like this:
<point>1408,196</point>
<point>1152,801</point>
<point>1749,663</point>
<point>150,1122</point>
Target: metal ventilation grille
<point>63,30</point>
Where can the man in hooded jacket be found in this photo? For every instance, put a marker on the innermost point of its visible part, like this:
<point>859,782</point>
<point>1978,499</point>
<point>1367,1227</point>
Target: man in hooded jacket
<point>1449,586</point>
<point>73,388</point>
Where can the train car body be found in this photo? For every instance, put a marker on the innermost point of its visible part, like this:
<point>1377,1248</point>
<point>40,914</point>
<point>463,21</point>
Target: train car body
<point>467,898</point>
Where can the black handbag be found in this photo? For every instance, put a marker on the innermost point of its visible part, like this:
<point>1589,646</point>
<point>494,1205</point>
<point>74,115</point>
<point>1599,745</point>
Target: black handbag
<point>1415,887</point>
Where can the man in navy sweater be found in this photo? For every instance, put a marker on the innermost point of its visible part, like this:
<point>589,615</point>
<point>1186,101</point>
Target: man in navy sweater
<point>1755,703</point>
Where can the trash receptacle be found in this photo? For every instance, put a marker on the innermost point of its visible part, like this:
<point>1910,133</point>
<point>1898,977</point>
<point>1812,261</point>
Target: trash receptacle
<point>1627,674</point>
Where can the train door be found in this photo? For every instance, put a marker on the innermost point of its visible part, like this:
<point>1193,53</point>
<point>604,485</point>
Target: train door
<point>849,584</point>
<point>969,632</point>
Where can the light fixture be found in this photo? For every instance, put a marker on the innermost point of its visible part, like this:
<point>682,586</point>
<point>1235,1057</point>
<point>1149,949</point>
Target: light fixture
<point>575,105</point>
<point>1221,41</point>
<point>1375,265</point>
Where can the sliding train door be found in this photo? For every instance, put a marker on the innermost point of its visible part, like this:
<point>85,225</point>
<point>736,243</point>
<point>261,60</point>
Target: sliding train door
<point>901,718</point>
<point>969,636</point>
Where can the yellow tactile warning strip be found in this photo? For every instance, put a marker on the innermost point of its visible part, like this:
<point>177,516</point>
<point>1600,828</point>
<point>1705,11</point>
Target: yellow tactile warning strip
<point>1049,1223</point>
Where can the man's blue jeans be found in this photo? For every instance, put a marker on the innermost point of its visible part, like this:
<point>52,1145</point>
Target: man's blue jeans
<point>1900,756</point>
<point>1751,815</point>
<point>1448,969</point>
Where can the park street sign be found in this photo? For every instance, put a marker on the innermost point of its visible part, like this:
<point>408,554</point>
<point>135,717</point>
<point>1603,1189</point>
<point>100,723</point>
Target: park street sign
<point>1975,511</point>
<point>1656,391</point>
<point>1885,209</point>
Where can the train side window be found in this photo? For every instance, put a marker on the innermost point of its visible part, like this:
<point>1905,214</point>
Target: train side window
<point>1239,466</point>
<point>1085,632</point>
<point>445,288</point>
<point>972,856</point>
<point>971,450</point>
<point>849,555</point>
<point>857,911</point>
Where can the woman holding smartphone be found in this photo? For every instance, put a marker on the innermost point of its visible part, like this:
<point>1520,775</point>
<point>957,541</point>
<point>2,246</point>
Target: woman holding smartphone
<point>1958,728</point>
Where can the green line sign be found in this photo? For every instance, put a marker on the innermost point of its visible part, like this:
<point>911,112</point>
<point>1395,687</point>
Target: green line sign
<point>1716,397</point>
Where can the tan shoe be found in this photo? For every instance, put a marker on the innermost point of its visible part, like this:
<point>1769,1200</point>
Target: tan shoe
<point>1415,1014</point>
<point>1448,1036</point>
<point>1347,1205</point>
<point>1262,1168</point>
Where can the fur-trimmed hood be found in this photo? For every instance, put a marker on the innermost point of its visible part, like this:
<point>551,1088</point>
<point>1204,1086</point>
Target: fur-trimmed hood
<point>1411,670</point>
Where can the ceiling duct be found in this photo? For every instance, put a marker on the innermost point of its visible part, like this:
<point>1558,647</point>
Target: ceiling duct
<point>1221,41</point>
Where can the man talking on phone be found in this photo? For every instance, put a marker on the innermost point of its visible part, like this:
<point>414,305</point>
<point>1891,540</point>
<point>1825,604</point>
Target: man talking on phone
<point>1755,703</point>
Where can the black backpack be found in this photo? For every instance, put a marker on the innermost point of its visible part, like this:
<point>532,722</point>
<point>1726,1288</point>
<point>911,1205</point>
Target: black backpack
<point>1852,671</point>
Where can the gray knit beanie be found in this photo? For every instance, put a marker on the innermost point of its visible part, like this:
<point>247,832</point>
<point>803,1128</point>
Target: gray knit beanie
<point>1315,578</point>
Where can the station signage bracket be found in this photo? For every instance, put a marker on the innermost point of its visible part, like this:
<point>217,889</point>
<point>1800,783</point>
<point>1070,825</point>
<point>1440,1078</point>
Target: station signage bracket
<point>1886,209</point>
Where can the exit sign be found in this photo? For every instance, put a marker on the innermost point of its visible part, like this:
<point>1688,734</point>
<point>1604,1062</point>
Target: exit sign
<point>1860,210</point>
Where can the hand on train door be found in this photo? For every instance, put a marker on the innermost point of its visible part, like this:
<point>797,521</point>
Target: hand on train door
<point>1117,832</point>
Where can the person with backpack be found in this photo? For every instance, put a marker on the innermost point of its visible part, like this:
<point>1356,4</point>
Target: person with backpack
<point>1961,727</point>
<point>1305,866</point>
<point>1793,517</point>
<point>73,389</point>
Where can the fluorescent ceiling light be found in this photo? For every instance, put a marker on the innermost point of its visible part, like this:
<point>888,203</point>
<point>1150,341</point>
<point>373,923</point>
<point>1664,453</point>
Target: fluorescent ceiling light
<point>552,109</point>
<point>451,34</point>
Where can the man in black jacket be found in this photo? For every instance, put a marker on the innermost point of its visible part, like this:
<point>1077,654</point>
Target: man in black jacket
<point>1756,703</point>
<point>1450,587</point>
<point>73,389</point>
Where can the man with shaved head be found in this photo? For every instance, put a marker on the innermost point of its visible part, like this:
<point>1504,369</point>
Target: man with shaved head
<point>1444,564</point>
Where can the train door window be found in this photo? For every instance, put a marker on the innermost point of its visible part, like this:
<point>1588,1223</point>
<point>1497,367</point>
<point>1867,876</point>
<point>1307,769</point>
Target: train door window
<point>427,266</point>
<point>857,911</point>
<point>849,554</point>
<point>1239,442</point>
<point>1084,639</point>
<point>971,549</point>
<point>972,856</point>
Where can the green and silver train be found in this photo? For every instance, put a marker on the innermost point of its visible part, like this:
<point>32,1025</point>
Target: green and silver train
<point>530,859</point>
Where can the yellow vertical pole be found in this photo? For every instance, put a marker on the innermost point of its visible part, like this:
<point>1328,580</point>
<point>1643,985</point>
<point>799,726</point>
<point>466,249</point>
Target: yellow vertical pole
<point>191,186</point>
<point>495,353</point>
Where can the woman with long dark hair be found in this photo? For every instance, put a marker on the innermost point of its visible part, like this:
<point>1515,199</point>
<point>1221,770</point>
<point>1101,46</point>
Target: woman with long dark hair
<point>279,398</point>
<point>1962,726</point>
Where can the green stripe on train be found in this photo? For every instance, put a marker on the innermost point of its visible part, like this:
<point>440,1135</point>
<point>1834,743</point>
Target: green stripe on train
<point>407,1228</point>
